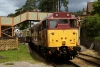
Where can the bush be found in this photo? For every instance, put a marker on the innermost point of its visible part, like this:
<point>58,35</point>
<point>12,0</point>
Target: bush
<point>91,24</point>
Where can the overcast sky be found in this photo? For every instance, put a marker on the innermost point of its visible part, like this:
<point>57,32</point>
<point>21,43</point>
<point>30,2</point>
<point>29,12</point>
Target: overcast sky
<point>9,6</point>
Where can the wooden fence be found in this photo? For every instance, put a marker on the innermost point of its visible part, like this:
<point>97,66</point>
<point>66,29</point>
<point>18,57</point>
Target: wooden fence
<point>8,43</point>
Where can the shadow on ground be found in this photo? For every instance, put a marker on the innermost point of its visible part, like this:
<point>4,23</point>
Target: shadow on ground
<point>34,54</point>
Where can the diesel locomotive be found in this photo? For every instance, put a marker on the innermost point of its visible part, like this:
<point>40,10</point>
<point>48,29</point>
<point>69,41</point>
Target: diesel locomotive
<point>57,36</point>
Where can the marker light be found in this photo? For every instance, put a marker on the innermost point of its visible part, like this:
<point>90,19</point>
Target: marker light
<point>67,14</point>
<point>56,14</point>
<point>50,52</point>
<point>58,48</point>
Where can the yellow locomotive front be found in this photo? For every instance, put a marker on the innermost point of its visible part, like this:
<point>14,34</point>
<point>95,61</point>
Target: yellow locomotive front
<point>58,38</point>
<point>62,35</point>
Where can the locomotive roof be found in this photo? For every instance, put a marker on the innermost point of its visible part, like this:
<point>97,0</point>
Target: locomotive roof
<point>53,16</point>
<point>61,15</point>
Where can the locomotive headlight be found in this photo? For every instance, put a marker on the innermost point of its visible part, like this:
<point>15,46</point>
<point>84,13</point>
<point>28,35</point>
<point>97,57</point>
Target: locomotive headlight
<point>76,43</point>
<point>67,14</point>
<point>58,48</point>
<point>70,48</point>
<point>56,14</point>
<point>50,52</point>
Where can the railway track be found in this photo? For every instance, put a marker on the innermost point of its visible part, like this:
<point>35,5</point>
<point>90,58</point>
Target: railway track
<point>90,59</point>
<point>54,65</point>
<point>84,60</point>
<point>80,61</point>
<point>69,64</point>
<point>89,56</point>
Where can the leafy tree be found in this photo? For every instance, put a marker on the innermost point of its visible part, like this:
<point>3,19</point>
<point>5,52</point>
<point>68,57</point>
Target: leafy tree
<point>11,15</point>
<point>30,5</point>
<point>92,26</point>
<point>65,4</point>
<point>52,5</point>
<point>77,13</point>
<point>47,5</point>
<point>96,7</point>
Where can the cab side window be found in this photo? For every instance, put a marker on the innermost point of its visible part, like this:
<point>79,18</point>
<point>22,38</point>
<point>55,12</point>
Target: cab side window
<point>73,23</point>
<point>53,23</point>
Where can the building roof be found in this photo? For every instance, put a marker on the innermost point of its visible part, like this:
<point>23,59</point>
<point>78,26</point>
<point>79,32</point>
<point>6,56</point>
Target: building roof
<point>89,6</point>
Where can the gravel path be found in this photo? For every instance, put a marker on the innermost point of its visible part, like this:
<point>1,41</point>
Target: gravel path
<point>23,64</point>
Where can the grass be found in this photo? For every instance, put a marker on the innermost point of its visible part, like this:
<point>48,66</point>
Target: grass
<point>17,55</point>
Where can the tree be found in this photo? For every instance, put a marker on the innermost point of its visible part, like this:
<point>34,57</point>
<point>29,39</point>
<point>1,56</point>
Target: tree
<point>77,13</point>
<point>11,15</point>
<point>92,26</point>
<point>96,7</point>
<point>47,5</point>
<point>30,5</point>
<point>65,4</point>
<point>52,5</point>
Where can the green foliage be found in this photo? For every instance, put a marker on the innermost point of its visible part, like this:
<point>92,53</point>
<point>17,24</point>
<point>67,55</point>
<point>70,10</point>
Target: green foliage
<point>30,5</point>
<point>24,25</point>
<point>65,4</point>
<point>96,7</point>
<point>11,15</point>
<point>47,5</point>
<point>92,26</point>
<point>78,13</point>
<point>52,5</point>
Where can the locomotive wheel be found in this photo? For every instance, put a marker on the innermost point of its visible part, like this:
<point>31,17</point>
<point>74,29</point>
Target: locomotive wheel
<point>72,57</point>
<point>44,54</point>
<point>39,49</point>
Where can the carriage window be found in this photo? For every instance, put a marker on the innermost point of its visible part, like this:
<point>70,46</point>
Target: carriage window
<point>63,21</point>
<point>53,23</point>
<point>73,23</point>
